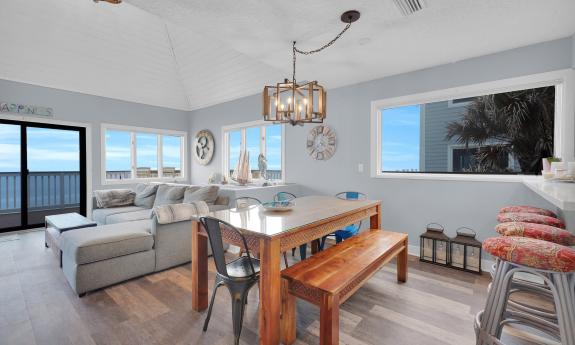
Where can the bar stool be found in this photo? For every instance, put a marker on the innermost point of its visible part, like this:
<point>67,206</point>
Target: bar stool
<point>538,231</point>
<point>530,218</point>
<point>527,209</point>
<point>541,232</point>
<point>551,262</point>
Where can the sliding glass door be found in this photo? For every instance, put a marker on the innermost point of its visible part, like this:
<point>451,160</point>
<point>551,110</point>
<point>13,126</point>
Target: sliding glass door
<point>42,173</point>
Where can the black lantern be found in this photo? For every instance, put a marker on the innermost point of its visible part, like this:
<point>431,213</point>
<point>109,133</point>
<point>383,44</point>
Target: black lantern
<point>465,251</point>
<point>434,245</point>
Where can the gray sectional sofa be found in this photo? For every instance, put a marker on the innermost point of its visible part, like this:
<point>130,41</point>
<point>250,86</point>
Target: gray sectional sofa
<point>129,241</point>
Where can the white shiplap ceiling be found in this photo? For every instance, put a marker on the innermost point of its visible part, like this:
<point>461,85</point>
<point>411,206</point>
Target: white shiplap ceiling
<point>188,54</point>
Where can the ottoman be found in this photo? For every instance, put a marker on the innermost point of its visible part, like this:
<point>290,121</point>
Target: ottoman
<point>96,257</point>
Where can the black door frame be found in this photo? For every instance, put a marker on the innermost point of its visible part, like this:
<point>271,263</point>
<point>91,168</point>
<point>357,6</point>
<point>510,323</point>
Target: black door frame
<point>24,168</point>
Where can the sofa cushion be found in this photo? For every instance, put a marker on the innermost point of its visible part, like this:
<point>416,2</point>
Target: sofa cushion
<point>167,214</point>
<point>207,194</point>
<point>129,216</point>
<point>107,241</point>
<point>168,194</point>
<point>145,195</point>
<point>100,215</point>
<point>114,197</point>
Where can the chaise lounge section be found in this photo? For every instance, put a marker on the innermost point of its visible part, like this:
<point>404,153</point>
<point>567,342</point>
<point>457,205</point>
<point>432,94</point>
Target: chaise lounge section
<point>130,241</point>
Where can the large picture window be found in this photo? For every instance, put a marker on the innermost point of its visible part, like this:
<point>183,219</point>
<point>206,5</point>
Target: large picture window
<point>255,138</point>
<point>471,131</point>
<point>131,154</point>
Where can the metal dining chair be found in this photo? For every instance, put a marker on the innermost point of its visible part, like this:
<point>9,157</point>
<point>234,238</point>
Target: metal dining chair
<point>350,230</point>
<point>247,201</point>
<point>239,275</point>
<point>284,196</point>
<point>287,196</point>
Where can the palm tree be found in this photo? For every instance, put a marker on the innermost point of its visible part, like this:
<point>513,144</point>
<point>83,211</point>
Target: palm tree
<point>518,123</point>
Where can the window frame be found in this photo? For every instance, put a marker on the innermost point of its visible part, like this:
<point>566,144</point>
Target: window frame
<point>564,145</point>
<point>242,127</point>
<point>133,153</point>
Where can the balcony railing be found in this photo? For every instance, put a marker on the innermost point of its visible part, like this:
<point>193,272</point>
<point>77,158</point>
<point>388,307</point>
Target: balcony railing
<point>46,190</point>
<point>142,173</point>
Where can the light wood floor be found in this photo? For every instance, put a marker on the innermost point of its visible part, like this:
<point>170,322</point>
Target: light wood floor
<point>435,306</point>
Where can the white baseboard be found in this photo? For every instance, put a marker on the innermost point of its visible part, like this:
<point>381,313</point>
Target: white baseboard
<point>485,263</point>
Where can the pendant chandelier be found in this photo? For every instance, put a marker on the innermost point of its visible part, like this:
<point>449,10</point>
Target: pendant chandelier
<point>290,102</point>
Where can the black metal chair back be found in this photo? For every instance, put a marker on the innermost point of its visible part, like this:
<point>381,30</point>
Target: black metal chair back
<point>213,228</point>
<point>238,285</point>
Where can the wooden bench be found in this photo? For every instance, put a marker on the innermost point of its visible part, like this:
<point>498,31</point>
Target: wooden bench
<point>330,277</point>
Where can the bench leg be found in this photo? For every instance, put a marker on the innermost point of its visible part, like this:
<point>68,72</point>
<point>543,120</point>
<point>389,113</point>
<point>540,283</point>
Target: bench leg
<point>288,328</point>
<point>329,320</point>
<point>402,264</point>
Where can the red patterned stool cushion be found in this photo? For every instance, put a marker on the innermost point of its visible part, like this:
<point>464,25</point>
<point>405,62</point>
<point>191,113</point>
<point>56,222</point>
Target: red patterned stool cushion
<point>530,218</point>
<point>532,253</point>
<point>537,231</point>
<point>527,209</point>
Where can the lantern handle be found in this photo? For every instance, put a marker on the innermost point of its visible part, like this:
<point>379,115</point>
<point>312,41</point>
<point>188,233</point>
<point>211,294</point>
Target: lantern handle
<point>466,231</point>
<point>441,226</point>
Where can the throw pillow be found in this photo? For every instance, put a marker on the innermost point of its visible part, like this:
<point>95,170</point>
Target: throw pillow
<point>145,195</point>
<point>114,198</point>
<point>167,214</point>
<point>169,194</point>
<point>208,194</point>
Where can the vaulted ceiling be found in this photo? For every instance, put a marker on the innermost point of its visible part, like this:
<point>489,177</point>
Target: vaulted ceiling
<point>188,54</point>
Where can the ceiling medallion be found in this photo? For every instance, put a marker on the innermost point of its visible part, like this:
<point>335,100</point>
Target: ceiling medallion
<point>290,102</point>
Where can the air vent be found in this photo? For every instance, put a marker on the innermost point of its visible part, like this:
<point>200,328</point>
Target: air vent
<point>409,7</point>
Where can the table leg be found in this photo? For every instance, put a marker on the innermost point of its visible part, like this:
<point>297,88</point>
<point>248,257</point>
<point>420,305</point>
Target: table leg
<point>270,291</point>
<point>315,246</point>
<point>288,331</point>
<point>375,220</point>
<point>402,264</point>
<point>199,268</point>
<point>329,320</point>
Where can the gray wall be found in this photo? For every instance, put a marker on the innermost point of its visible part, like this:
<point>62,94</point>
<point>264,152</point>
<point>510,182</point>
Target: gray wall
<point>408,205</point>
<point>82,108</point>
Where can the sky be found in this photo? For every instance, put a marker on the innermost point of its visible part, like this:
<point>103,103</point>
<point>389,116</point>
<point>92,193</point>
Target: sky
<point>48,149</point>
<point>400,138</point>
<point>273,146</point>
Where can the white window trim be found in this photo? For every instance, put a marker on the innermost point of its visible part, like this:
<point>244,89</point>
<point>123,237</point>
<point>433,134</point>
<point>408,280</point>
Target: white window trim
<point>133,130</point>
<point>245,125</point>
<point>564,146</point>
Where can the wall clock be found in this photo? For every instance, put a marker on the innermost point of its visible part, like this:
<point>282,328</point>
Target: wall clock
<point>204,147</point>
<point>321,143</point>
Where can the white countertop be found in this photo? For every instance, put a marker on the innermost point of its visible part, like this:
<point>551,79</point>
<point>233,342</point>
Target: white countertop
<point>560,194</point>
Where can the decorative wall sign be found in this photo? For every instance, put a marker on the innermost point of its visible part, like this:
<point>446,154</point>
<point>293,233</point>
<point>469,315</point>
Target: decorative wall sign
<point>321,143</point>
<point>204,147</point>
<point>23,109</point>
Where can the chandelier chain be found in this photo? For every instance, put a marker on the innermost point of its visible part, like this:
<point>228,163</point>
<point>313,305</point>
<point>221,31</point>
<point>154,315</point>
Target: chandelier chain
<point>309,52</point>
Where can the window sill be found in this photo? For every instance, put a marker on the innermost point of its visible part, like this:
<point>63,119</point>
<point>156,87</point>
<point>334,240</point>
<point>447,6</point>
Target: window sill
<point>143,180</point>
<point>455,177</point>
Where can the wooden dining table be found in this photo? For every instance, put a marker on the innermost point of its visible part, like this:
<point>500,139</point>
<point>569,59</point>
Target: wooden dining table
<point>269,234</point>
